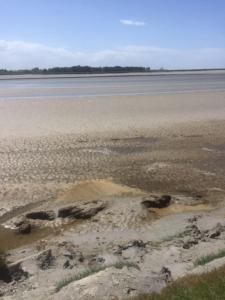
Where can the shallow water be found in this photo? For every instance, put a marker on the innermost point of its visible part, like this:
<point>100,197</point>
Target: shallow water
<point>9,239</point>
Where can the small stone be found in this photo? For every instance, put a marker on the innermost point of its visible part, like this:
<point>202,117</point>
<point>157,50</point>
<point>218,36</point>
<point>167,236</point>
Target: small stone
<point>69,255</point>
<point>67,265</point>
<point>135,243</point>
<point>45,259</point>
<point>215,234</point>
<point>190,243</point>
<point>166,274</point>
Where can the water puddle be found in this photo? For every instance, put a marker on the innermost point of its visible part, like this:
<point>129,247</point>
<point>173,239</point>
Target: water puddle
<point>10,239</point>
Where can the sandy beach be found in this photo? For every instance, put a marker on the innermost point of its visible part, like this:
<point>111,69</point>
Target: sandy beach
<point>146,141</point>
<point>108,155</point>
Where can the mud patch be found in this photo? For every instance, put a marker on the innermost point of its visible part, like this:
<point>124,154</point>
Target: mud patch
<point>176,208</point>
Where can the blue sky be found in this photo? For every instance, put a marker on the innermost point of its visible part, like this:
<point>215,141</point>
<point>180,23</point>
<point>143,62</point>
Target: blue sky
<point>155,33</point>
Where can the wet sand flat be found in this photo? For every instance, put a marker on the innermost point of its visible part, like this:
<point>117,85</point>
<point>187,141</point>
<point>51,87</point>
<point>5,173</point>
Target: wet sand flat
<point>107,115</point>
<point>167,143</point>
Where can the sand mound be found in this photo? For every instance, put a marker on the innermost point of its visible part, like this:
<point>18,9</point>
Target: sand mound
<point>95,189</point>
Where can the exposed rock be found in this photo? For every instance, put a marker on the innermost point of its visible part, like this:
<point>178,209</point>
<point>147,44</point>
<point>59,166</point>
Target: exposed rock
<point>96,260</point>
<point>161,202</point>
<point>23,227</point>
<point>17,273</point>
<point>166,274</point>
<point>215,234</point>
<point>194,231</point>
<point>45,260</point>
<point>4,272</point>
<point>194,218</point>
<point>12,272</point>
<point>69,254</point>
<point>117,250</point>
<point>80,212</point>
<point>216,231</point>
<point>135,243</point>
<point>42,215</point>
<point>190,243</point>
<point>67,265</point>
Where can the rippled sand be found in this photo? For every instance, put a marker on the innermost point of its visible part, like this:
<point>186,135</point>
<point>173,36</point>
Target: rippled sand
<point>169,143</point>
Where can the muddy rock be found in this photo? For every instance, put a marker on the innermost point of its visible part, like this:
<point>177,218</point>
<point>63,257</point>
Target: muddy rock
<point>4,272</point>
<point>190,243</point>
<point>45,260</point>
<point>193,231</point>
<point>12,272</point>
<point>166,274</point>
<point>23,227</point>
<point>69,254</point>
<point>94,260</point>
<point>117,250</point>
<point>41,215</point>
<point>17,273</point>
<point>80,212</point>
<point>135,243</point>
<point>161,202</point>
<point>194,219</point>
<point>67,264</point>
<point>216,231</point>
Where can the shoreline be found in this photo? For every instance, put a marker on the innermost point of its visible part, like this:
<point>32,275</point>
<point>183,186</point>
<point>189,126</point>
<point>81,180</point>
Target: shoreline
<point>152,73</point>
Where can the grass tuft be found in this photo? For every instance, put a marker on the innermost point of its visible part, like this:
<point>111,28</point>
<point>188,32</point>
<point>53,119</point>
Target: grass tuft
<point>209,286</point>
<point>208,258</point>
<point>87,272</point>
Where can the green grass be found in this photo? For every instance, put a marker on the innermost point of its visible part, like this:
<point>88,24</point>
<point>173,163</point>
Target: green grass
<point>209,286</point>
<point>90,271</point>
<point>208,258</point>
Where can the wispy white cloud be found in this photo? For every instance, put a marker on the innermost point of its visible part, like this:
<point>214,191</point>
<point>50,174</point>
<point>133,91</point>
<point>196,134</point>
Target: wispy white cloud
<point>19,54</point>
<point>132,23</point>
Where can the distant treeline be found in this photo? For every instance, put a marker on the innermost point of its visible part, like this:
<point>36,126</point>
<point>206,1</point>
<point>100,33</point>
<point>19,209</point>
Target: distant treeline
<point>76,70</point>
